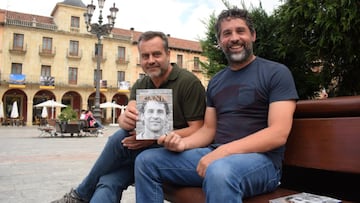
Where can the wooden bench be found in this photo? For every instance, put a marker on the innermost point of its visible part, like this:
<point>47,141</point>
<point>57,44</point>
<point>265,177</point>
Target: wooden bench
<point>67,128</point>
<point>87,130</point>
<point>322,154</point>
<point>48,128</point>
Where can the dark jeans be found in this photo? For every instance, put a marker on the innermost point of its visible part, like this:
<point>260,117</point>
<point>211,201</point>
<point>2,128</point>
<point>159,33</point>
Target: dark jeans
<point>112,172</point>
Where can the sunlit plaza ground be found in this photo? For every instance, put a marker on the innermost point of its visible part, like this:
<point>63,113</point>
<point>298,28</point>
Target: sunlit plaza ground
<point>37,169</point>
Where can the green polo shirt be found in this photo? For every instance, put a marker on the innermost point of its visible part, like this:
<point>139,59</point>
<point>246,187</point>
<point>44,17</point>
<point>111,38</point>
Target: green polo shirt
<point>188,95</point>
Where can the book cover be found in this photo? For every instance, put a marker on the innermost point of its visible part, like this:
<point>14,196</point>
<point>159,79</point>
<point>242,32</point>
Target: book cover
<point>155,108</point>
<point>305,198</point>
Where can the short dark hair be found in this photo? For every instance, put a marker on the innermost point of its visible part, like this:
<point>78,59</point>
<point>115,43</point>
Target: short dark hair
<point>157,98</point>
<point>145,36</point>
<point>234,13</point>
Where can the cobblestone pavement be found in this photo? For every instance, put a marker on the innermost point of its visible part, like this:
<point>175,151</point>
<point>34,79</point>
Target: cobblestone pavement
<point>37,169</point>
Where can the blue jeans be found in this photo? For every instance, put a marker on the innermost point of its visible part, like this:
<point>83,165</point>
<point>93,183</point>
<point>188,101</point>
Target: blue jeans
<point>98,125</point>
<point>112,172</point>
<point>229,179</point>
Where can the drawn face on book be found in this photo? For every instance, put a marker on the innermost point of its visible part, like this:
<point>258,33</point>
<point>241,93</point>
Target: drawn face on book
<point>154,116</point>
<point>154,59</point>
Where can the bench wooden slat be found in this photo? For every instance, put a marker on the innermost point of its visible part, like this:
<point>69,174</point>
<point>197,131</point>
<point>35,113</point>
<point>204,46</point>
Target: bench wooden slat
<point>196,195</point>
<point>325,143</point>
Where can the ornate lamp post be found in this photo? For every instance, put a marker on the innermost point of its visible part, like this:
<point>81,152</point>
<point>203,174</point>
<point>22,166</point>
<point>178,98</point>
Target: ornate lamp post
<point>99,30</point>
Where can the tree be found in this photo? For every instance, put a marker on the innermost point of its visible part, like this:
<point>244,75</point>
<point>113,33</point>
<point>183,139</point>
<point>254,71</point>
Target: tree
<point>322,33</point>
<point>303,34</point>
<point>216,58</point>
<point>264,46</point>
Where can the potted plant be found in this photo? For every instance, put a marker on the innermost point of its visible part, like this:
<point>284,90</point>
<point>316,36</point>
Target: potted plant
<point>67,118</point>
<point>68,114</point>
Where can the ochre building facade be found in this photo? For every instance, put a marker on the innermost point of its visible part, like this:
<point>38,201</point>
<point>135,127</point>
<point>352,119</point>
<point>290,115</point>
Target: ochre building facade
<point>55,58</point>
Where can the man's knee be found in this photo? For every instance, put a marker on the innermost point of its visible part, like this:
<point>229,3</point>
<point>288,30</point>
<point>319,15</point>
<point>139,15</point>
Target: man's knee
<point>218,172</point>
<point>107,190</point>
<point>104,193</point>
<point>118,136</point>
<point>147,158</point>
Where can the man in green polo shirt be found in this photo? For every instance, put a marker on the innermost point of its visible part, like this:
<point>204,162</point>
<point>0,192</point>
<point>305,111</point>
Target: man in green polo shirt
<point>113,171</point>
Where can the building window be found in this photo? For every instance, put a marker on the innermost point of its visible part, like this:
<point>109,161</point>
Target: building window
<point>47,45</point>
<point>45,70</point>
<point>196,63</point>
<point>121,76</point>
<point>16,68</point>
<point>75,22</point>
<point>98,49</point>
<point>74,48</point>
<point>73,73</point>
<point>121,54</point>
<point>180,60</point>
<point>18,41</point>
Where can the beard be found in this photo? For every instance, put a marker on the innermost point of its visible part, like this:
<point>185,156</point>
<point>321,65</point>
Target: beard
<point>240,57</point>
<point>155,74</point>
<point>158,73</point>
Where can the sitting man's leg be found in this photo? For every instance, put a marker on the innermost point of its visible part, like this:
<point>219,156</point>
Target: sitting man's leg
<point>239,176</point>
<point>111,159</point>
<point>111,186</point>
<point>154,167</point>
<point>232,178</point>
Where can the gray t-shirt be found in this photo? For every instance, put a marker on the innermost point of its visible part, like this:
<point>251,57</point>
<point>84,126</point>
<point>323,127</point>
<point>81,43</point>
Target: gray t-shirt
<point>242,99</point>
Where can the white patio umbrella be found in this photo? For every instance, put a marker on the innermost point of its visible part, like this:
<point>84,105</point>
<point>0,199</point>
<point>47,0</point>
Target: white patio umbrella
<point>44,112</point>
<point>14,110</point>
<point>1,110</point>
<point>122,109</point>
<point>50,103</point>
<point>112,105</point>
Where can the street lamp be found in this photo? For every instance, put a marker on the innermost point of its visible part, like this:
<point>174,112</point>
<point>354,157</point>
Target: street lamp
<point>99,30</point>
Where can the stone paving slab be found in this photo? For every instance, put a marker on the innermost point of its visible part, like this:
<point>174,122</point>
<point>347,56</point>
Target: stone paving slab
<point>37,169</point>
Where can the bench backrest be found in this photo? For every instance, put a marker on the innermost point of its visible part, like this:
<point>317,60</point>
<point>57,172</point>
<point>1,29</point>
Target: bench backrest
<point>83,123</point>
<point>326,135</point>
<point>51,122</point>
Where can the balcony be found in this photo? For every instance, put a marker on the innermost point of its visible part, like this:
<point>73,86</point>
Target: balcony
<point>196,69</point>
<point>47,52</point>
<point>74,29</point>
<point>50,82</point>
<point>102,58</point>
<point>19,50</point>
<point>73,55</point>
<point>124,86</point>
<point>33,23</point>
<point>121,61</point>
<point>103,85</point>
<point>17,81</point>
<point>47,82</point>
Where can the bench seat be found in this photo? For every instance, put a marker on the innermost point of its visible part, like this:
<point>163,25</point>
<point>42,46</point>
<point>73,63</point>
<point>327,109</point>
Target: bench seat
<point>321,156</point>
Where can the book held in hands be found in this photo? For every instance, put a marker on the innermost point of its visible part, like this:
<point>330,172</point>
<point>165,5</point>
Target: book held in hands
<point>305,198</point>
<point>155,108</point>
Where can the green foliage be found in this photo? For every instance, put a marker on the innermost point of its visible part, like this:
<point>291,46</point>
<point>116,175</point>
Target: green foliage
<point>303,34</point>
<point>68,114</point>
<point>216,58</point>
<point>323,33</point>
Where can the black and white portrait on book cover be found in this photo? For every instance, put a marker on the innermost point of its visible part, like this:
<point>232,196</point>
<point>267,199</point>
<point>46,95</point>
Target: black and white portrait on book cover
<point>155,108</point>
